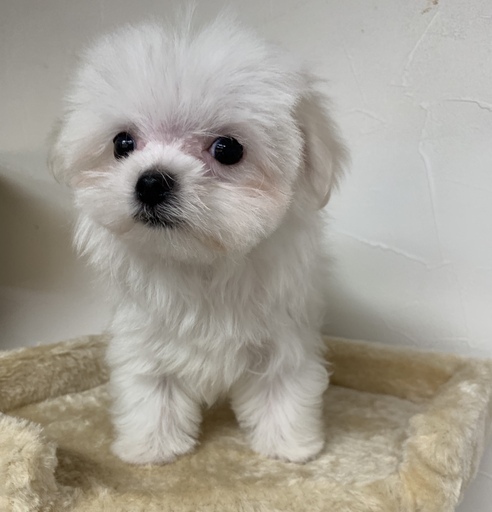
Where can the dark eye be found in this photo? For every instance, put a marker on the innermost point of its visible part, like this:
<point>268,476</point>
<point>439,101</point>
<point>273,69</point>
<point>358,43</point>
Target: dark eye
<point>226,150</point>
<point>123,145</point>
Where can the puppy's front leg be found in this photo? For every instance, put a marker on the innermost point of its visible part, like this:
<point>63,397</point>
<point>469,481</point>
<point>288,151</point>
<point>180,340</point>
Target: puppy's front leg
<point>155,420</point>
<point>282,413</point>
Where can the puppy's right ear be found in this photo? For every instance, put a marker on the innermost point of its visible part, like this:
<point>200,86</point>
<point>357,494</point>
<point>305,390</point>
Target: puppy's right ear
<point>69,141</point>
<point>57,159</point>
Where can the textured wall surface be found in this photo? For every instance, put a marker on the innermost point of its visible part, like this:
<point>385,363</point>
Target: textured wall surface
<point>411,229</point>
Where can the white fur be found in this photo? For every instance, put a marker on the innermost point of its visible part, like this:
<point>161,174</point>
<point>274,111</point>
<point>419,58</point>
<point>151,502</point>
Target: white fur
<point>231,301</point>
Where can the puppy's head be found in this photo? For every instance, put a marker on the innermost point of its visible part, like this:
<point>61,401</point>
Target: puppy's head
<point>194,143</point>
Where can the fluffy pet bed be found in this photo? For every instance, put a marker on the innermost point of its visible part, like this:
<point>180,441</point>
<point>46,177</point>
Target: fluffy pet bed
<point>405,432</point>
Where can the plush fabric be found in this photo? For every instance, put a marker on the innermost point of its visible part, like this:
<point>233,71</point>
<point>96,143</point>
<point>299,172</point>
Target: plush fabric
<point>405,432</point>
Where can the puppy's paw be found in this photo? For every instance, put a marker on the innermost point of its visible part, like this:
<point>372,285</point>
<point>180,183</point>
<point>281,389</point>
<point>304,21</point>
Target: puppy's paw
<point>151,452</point>
<point>299,451</point>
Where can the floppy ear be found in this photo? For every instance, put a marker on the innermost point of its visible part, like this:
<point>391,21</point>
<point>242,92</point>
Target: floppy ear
<point>57,161</point>
<point>68,141</point>
<point>325,156</point>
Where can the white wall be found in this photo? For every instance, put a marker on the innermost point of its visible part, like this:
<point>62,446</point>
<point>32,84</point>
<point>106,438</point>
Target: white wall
<point>412,226</point>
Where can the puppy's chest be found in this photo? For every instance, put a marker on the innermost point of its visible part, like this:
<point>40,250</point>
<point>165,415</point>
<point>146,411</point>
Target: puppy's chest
<point>216,320</point>
<point>210,330</point>
<point>206,346</point>
<point>203,309</point>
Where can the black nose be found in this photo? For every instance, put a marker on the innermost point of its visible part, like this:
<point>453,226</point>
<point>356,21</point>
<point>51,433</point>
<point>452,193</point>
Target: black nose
<point>154,187</point>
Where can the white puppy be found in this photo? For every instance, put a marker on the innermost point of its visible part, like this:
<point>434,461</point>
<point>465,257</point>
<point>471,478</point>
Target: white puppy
<point>199,160</point>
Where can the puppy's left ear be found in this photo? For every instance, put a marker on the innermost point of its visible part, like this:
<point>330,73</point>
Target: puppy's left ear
<point>325,156</point>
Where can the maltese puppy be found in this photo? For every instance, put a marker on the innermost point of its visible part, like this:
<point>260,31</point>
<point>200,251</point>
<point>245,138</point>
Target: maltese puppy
<point>199,160</point>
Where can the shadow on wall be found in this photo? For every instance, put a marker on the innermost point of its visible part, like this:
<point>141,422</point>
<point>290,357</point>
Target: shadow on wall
<point>348,316</point>
<point>389,320</point>
<point>35,232</point>
<point>46,292</point>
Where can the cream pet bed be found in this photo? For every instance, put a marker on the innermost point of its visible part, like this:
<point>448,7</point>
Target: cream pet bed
<point>405,432</point>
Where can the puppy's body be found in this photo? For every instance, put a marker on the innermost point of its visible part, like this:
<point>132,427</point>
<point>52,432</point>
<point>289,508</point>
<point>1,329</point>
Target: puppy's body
<point>218,288</point>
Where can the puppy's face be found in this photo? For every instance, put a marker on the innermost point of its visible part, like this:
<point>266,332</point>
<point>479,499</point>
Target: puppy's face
<point>192,145</point>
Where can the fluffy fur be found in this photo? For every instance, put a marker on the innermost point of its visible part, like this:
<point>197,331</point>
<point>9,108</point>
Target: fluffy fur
<point>229,300</point>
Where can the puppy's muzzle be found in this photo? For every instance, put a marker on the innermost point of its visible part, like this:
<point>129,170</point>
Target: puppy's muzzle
<point>155,192</point>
